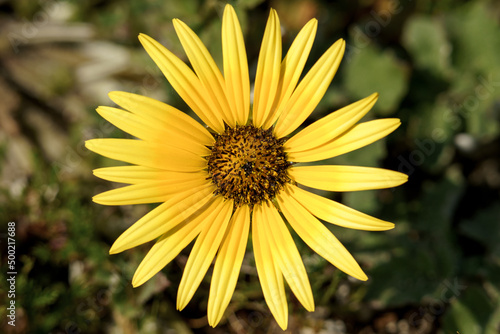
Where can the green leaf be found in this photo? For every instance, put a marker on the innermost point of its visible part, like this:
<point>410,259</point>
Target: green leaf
<point>370,70</point>
<point>484,227</point>
<point>425,39</point>
<point>422,256</point>
<point>475,37</point>
<point>437,207</point>
<point>471,313</point>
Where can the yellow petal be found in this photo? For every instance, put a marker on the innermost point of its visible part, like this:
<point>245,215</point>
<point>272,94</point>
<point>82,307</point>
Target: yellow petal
<point>149,192</point>
<point>139,174</point>
<point>291,69</point>
<point>270,276</point>
<point>174,241</point>
<point>206,69</point>
<point>318,237</point>
<point>184,81</point>
<point>268,70</point>
<point>310,90</point>
<point>202,254</point>
<point>331,126</point>
<point>151,130</point>
<point>235,66</point>
<point>228,264</point>
<point>136,126</point>
<point>346,178</point>
<point>163,218</point>
<point>336,213</point>
<point>287,256</point>
<point>358,136</point>
<point>175,123</point>
<point>155,155</point>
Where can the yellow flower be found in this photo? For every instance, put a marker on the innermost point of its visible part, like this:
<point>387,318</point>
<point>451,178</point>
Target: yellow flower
<point>241,171</point>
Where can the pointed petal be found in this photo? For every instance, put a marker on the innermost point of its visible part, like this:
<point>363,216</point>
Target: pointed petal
<point>346,178</point>
<point>175,123</point>
<point>206,69</point>
<point>228,264</point>
<point>270,276</point>
<point>330,126</point>
<point>287,256</point>
<point>150,130</point>
<point>141,128</point>
<point>291,69</point>
<point>155,155</point>
<point>358,136</point>
<point>235,66</point>
<point>318,237</point>
<point>184,81</point>
<point>140,174</point>
<point>150,192</point>
<point>163,218</point>
<point>310,90</point>
<point>268,70</point>
<point>336,213</point>
<point>174,241</point>
<point>202,254</point>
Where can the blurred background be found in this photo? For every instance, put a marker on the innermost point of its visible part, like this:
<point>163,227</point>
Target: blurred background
<point>436,67</point>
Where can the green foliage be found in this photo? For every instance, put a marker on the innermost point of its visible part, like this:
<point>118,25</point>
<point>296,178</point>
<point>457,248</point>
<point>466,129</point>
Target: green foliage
<point>372,70</point>
<point>474,312</point>
<point>425,38</point>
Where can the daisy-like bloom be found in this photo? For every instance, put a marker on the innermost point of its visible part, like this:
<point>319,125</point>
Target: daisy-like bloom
<point>242,170</point>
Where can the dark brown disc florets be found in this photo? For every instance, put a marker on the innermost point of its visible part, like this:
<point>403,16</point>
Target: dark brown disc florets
<point>248,165</point>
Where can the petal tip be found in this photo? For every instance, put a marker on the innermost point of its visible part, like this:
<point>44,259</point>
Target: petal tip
<point>283,323</point>
<point>363,278</point>
<point>90,144</point>
<point>114,249</point>
<point>213,319</point>
<point>181,304</point>
<point>388,226</point>
<point>144,39</point>
<point>374,96</point>
<point>138,280</point>
<point>177,23</point>
<point>118,246</point>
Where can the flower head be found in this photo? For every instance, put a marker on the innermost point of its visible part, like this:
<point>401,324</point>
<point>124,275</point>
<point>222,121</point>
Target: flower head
<point>242,170</point>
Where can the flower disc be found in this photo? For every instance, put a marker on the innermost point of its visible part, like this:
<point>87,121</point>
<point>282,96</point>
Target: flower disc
<point>248,165</point>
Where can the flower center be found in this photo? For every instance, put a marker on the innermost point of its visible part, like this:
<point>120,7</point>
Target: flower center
<point>248,165</point>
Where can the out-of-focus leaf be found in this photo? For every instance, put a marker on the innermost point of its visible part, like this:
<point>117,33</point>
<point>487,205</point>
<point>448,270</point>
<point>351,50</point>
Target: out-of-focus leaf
<point>481,114</point>
<point>423,257</point>
<point>484,227</point>
<point>425,39</point>
<point>437,207</point>
<point>371,70</point>
<point>432,128</point>
<point>435,122</point>
<point>471,313</point>
<point>475,38</point>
